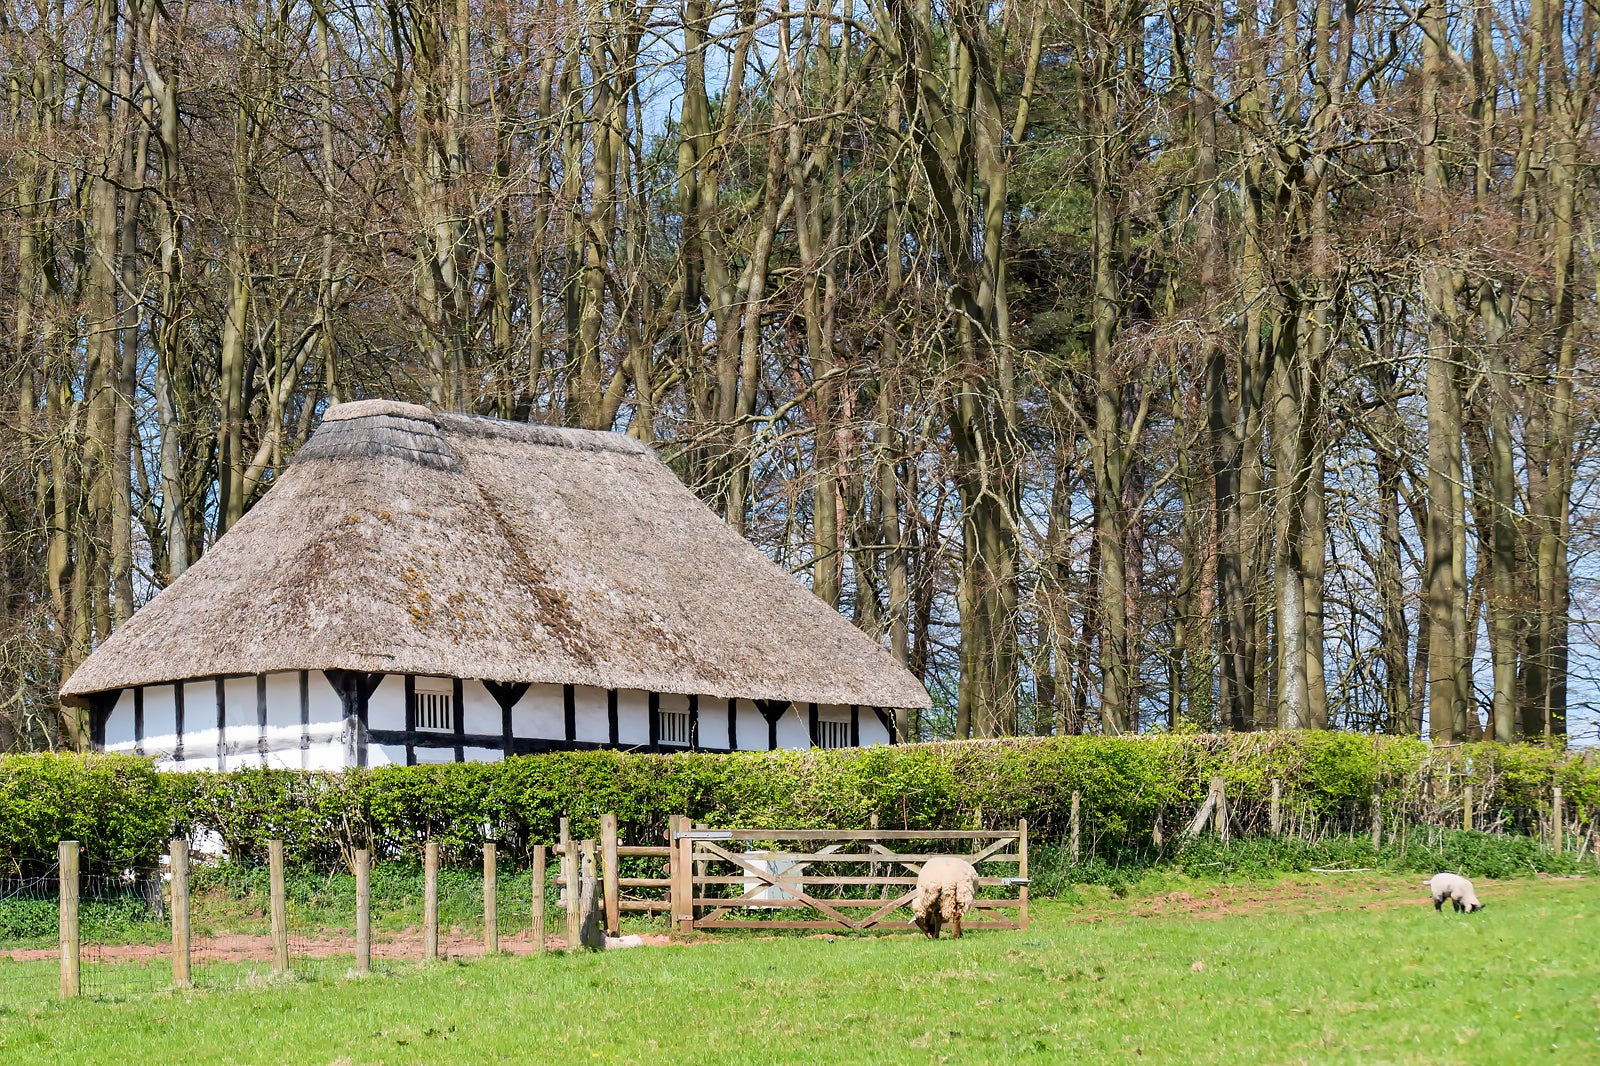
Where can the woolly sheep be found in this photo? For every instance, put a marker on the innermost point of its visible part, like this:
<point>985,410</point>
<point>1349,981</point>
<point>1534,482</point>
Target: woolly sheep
<point>946,888</point>
<point>1455,888</point>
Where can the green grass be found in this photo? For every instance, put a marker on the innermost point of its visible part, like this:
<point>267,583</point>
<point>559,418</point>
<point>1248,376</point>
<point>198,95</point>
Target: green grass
<point>1298,969</point>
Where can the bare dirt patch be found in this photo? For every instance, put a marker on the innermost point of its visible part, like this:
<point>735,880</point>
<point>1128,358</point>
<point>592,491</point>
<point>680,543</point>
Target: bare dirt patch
<point>1280,897</point>
<point>240,948</point>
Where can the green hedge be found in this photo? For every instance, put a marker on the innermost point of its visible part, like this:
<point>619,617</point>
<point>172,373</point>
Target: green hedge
<point>124,811</point>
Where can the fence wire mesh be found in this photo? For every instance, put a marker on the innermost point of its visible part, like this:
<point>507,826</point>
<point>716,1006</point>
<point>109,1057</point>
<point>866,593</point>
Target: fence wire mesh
<point>30,914</point>
<point>125,933</point>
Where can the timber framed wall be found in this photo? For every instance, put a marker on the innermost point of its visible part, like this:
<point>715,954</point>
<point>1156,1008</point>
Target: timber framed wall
<point>316,720</point>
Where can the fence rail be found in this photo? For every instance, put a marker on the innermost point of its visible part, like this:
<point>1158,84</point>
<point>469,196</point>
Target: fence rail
<point>716,884</point>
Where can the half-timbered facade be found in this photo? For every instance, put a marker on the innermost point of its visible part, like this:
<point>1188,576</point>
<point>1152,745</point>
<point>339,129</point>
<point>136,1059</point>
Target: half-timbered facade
<point>422,587</point>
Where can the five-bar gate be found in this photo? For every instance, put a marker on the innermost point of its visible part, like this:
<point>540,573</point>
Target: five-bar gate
<point>835,879</point>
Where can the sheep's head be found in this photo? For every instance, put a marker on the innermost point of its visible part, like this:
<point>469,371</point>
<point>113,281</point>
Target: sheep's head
<point>928,921</point>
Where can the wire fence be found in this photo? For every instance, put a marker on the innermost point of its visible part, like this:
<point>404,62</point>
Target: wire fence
<point>126,941</point>
<point>29,929</point>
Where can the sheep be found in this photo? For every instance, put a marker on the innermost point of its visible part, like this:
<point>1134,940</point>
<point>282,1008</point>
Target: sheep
<point>1455,888</point>
<point>946,887</point>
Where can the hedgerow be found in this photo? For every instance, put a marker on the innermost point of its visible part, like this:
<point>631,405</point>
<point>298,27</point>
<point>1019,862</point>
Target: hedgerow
<point>124,811</point>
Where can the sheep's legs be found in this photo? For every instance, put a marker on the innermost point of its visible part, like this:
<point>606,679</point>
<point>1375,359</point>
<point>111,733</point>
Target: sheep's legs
<point>957,933</point>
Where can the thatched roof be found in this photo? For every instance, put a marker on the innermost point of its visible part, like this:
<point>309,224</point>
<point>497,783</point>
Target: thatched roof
<point>407,541</point>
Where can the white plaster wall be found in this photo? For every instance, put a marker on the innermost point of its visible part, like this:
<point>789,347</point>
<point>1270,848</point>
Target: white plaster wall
<point>482,713</point>
<point>160,721</point>
<point>386,708</point>
<point>243,730</point>
<point>119,723</point>
<point>283,705</point>
<point>384,755</point>
<point>200,723</point>
<point>330,755</point>
<point>752,727</point>
<point>633,717</point>
<point>483,754</point>
<point>794,728</point>
<point>425,755</point>
<point>592,721</point>
<point>325,703</point>
<point>541,713</point>
<point>713,722</point>
<point>283,721</point>
<point>872,730</point>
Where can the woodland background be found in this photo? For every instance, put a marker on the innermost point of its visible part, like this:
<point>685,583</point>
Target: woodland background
<point>1122,365</point>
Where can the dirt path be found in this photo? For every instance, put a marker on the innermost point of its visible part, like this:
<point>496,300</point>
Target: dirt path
<point>405,947</point>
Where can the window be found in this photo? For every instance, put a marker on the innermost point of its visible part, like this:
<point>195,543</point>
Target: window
<point>833,734</point>
<point>675,727</point>
<point>436,706</point>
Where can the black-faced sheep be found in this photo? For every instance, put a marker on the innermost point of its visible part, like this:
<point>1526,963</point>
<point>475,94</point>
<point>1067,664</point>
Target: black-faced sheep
<point>946,888</point>
<point>1456,889</point>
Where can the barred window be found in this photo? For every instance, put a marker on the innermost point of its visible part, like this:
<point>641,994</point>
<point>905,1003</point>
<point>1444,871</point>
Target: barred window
<point>436,707</point>
<point>833,734</point>
<point>675,727</point>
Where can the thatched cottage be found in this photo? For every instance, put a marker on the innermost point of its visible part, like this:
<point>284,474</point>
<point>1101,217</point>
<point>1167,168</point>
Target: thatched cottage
<point>427,587</point>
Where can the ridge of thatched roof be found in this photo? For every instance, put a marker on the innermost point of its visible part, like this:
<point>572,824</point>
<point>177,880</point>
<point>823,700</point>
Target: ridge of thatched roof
<point>407,541</point>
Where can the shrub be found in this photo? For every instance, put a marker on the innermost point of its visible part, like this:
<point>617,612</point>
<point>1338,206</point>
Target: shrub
<point>124,811</point>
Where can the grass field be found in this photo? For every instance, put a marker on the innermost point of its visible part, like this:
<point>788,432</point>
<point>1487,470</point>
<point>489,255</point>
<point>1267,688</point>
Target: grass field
<point>1341,968</point>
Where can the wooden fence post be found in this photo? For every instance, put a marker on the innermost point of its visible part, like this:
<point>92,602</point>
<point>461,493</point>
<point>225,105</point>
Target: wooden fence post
<point>1377,818</point>
<point>178,850</point>
<point>874,869</point>
<point>1077,824</point>
<point>430,900</point>
<point>1277,807</point>
<point>491,901</point>
<point>1557,814</point>
<point>1022,867</point>
<point>67,858</point>
<point>569,869</point>
<point>278,899</point>
<point>363,911</point>
<point>683,884</point>
<point>608,859</point>
<point>591,934</point>
<point>538,898</point>
<point>1219,816</point>
<point>1466,808</point>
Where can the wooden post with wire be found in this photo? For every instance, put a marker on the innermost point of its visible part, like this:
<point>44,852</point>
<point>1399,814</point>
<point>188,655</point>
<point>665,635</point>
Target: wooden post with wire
<point>1276,818</point>
<point>538,899</point>
<point>1466,808</point>
<point>280,907</point>
<point>1557,814</point>
<point>1077,823</point>
<point>430,900</point>
<point>363,873</point>
<point>612,884</point>
<point>178,850</point>
<point>491,901</point>
<point>67,858</point>
<point>1377,818</point>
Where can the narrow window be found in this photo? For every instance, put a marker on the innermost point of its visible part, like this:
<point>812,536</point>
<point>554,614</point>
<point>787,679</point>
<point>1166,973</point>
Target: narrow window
<point>675,727</point>
<point>435,706</point>
<point>833,734</point>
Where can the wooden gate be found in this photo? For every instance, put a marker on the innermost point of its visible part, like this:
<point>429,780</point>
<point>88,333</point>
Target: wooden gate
<point>836,879</point>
